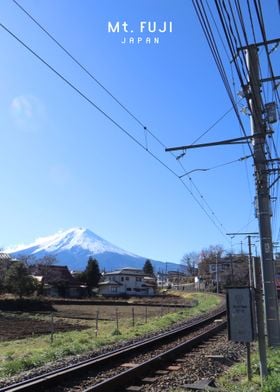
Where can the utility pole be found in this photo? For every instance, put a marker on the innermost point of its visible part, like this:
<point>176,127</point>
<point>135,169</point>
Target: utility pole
<point>251,280</point>
<point>250,259</point>
<point>260,317</point>
<point>258,137</point>
<point>255,280</point>
<point>258,127</point>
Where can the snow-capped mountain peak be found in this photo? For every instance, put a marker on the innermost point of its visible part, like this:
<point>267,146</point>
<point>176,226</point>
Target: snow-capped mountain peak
<point>73,248</point>
<point>69,239</point>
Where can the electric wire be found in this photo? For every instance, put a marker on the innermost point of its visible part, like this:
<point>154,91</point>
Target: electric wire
<point>104,88</point>
<point>110,119</point>
<point>201,197</point>
<point>200,11</point>
<point>229,30</point>
<point>85,97</point>
<point>211,42</point>
<point>220,165</point>
<point>145,128</point>
<point>251,21</point>
<point>233,41</point>
<point>206,27</point>
<point>218,31</point>
<point>275,180</point>
<point>259,12</point>
<point>73,58</point>
<point>213,125</point>
<point>243,149</point>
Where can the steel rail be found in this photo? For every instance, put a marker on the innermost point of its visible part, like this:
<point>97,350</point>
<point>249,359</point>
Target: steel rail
<point>131,376</point>
<point>101,361</point>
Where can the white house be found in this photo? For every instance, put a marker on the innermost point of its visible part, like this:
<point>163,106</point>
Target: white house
<point>127,281</point>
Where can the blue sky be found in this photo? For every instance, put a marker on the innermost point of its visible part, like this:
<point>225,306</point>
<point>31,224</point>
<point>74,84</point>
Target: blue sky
<point>63,164</point>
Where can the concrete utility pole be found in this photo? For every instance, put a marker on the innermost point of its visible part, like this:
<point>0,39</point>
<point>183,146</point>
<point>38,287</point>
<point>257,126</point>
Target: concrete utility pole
<point>250,264</point>
<point>260,317</point>
<point>255,280</point>
<point>258,127</point>
<point>258,137</point>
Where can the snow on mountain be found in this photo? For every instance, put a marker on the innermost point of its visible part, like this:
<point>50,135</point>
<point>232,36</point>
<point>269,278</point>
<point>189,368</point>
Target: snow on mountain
<point>73,247</point>
<point>68,239</point>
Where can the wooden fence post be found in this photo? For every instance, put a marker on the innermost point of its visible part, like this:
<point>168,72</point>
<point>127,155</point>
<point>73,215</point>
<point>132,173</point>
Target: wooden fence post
<point>96,322</point>
<point>117,318</point>
<point>52,327</point>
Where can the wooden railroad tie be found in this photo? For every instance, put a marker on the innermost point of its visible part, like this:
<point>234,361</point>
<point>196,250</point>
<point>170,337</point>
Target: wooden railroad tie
<point>172,367</point>
<point>129,365</point>
<point>149,380</point>
<point>161,372</point>
<point>134,388</point>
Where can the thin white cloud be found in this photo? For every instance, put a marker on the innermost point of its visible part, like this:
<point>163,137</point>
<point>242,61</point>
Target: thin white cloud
<point>28,113</point>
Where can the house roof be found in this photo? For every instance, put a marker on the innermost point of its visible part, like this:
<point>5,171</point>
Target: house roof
<point>126,271</point>
<point>109,283</point>
<point>54,273</point>
<point>5,257</point>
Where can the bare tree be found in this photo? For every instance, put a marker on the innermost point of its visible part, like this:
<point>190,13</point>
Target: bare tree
<point>190,263</point>
<point>27,260</point>
<point>47,260</point>
<point>209,256</point>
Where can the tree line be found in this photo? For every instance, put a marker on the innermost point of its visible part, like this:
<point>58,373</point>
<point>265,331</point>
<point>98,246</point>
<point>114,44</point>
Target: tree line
<point>17,276</point>
<point>198,264</point>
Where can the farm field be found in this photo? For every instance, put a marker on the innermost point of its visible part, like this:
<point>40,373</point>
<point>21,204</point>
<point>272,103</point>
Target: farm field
<point>31,339</point>
<point>13,327</point>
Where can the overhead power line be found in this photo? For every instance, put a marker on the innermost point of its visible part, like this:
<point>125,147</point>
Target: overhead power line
<point>86,98</point>
<point>217,166</point>
<point>146,129</point>
<point>208,32</point>
<point>90,74</point>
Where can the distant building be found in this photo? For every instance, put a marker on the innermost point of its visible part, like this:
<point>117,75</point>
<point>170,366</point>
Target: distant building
<point>5,262</point>
<point>162,280</point>
<point>127,281</point>
<point>5,257</point>
<point>228,271</point>
<point>57,281</point>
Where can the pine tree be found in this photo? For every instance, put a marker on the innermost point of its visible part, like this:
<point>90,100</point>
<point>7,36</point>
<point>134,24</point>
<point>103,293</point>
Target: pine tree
<point>92,273</point>
<point>148,268</point>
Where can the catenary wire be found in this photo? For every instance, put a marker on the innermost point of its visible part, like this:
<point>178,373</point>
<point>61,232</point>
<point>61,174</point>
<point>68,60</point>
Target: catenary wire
<point>51,36</point>
<point>109,118</point>
<point>204,22</point>
<point>112,96</point>
<point>78,91</point>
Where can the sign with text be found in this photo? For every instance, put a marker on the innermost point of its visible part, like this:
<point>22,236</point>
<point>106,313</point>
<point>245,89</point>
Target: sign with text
<point>240,314</point>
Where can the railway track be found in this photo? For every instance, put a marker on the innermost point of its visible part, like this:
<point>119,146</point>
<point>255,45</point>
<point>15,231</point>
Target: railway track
<point>99,370</point>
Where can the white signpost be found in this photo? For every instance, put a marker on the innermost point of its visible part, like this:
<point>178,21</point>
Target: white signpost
<point>240,313</point>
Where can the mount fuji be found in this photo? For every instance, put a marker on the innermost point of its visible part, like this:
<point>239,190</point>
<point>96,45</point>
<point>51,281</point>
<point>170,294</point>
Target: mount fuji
<point>74,246</point>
